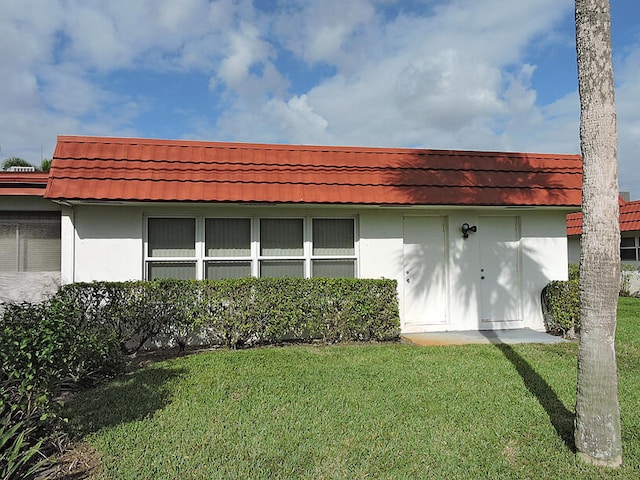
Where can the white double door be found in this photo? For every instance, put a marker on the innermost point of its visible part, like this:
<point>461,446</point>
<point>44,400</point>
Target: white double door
<point>491,271</point>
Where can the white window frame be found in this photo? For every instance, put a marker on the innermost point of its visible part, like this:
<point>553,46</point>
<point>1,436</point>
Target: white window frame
<point>255,257</point>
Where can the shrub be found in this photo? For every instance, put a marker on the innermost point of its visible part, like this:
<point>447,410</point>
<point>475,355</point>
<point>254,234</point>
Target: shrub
<point>49,345</point>
<point>561,307</point>
<point>238,312</point>
<point>46,348</point>
<point>627,270</point>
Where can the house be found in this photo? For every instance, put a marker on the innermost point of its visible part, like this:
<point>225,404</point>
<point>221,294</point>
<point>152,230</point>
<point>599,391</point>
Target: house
<point>629,240</point>
<point>29,237</point>
<point>470,237</point>
<point>629,232</point>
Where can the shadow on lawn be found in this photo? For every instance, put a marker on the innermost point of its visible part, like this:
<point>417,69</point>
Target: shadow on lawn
<point>132,397</point>
<point>561,418</point>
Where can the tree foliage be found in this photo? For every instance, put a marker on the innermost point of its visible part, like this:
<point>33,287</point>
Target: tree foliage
<point>15,162</point>
<point>45,165</point>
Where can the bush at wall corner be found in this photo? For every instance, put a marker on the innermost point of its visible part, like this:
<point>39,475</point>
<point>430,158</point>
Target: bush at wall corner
<point>561,307</point>
<point>47,344</point>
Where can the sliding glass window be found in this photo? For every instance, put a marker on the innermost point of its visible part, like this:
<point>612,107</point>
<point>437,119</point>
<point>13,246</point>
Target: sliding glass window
<point>30,241</point>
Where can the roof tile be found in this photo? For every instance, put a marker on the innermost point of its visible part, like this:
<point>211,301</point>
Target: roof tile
<point>98,168</point>
<point>629,218</point>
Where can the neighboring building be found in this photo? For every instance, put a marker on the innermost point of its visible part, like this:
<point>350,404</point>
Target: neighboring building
<point>629,232</point>
<point>143,209</point>
<point>29,237</point>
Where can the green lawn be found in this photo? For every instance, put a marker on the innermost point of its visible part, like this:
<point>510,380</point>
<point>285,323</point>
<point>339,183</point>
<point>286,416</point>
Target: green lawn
<point>357,411</point>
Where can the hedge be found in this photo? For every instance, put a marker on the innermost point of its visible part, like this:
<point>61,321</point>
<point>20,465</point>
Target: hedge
<point>237,312</point>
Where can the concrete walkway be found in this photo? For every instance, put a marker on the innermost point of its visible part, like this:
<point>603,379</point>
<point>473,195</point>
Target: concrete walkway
<point>519,335</point>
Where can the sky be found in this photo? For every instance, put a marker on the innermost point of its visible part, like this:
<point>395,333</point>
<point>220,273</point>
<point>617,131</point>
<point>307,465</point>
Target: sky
<point>442,74</point>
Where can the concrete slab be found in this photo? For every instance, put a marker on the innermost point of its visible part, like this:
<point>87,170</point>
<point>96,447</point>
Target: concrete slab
<point>512,336</point>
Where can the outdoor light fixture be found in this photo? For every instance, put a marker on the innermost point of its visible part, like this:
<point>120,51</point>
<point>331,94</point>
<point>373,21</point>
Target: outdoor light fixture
<point>466,228</point>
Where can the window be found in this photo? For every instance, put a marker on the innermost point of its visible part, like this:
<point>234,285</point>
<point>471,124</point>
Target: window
<point>227,248</point>
<point>219,248</point>
<point>280,240</point>
<point>629,249</point>
<point>30,242</point>
<point>333,248</point>
<point>171,248</point>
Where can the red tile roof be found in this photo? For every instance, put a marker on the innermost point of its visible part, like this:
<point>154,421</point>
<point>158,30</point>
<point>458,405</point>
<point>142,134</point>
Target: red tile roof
<point>629,218</point>
<point>23,183</point>
<point>125,169</point>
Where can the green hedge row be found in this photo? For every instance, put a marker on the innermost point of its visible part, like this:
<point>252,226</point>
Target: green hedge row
<point>239,312</point>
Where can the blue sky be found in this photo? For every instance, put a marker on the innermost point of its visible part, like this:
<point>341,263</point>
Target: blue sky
<point>453,74</point>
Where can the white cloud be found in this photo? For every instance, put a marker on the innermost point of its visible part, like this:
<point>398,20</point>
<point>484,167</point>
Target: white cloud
<point>300,122</point>
<point>325,30</point>
<point>434,81</point>
<point>246,49</point>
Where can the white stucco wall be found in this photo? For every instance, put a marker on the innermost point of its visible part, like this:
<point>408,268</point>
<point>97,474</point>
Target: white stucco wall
<point>103,242</point>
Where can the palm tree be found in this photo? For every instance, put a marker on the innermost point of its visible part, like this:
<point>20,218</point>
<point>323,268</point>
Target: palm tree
<point>597,424</point>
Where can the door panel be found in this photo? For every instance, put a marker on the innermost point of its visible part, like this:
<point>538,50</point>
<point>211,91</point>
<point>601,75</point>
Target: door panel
<point>425,272</point>
<point>499,269</point>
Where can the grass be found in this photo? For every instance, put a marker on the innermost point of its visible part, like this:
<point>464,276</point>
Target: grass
<point>356,411</point>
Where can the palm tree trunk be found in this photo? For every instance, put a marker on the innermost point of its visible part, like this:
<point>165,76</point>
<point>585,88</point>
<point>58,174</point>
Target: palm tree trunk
<point>597,424</point>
